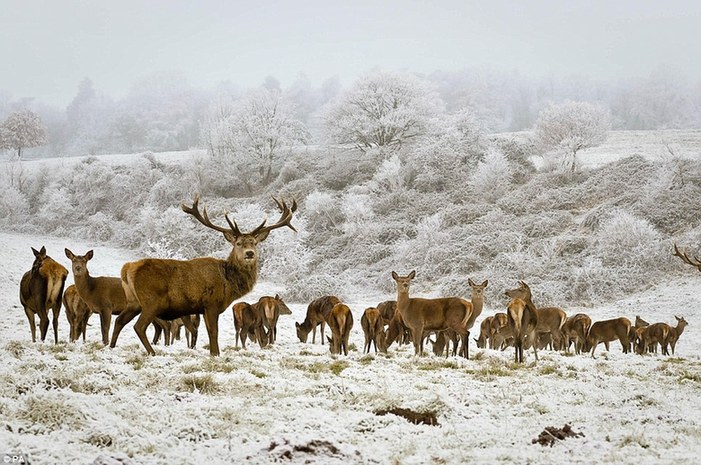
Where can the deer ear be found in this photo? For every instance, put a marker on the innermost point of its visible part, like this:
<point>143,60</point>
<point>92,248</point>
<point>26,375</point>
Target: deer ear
<point>68,253</point>
<point>471,282</point>
<point>485,283</point>
<point>277,297</point>
<point>89,255</point>
<point>43,250</point>
<point>296,325</point>
<point>412,275</point>
<point>395,276</point>
<point>35,252</point>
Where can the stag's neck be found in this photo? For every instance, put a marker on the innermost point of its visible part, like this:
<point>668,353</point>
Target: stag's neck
<point>241,277</point>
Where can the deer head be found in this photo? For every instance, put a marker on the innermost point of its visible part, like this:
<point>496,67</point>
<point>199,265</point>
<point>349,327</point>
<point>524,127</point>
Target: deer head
<point>244,244</point>
<point>39,257</point>
<point>79,262</point>
<point>695,261</point>
<point>403,283</point>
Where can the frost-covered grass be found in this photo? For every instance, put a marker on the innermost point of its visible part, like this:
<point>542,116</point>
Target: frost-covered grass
<point>295,403</point>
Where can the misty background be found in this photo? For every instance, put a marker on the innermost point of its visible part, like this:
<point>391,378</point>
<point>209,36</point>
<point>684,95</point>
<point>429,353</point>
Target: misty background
<point>135,76</point>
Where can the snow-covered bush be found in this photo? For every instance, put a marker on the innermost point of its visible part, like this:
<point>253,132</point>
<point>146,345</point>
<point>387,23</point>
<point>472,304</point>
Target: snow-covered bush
<point>14,207</point>
<point>322,211</point>
<point>493,177</point>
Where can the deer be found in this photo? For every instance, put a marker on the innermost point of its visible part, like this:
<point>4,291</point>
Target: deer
<point>695,261</point>
<point>169,289</point>
<point>575,331</point>
<point>190,334</point>
<point>636,334</point>
<point>41,289</point>
<point>317,311</point>
<point>422,315</point>
<point>674,334</point>
<point>501,334</point>
<point>648,337</point>
<point>374,330</point>
<point>340,321</point>
<point>249,321</point>
<point>523,320</point>
<point>606,331</point>
<point>77,313</point>
<point>485,332</point>
<point>550,319</point>
<point>396,327</point>
<point>272,308</point>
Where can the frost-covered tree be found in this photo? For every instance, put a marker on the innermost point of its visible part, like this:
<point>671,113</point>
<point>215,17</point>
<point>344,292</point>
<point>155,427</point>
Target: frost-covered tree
<point>568,127</point>
<point>22,129</point>
<point>382,109</point>
<point>253,132</point>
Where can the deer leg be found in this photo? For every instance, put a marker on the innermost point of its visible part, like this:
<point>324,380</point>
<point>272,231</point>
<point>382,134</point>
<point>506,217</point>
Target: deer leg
<point>43,325</point>
<point>140,328</point>
<point>105,321</point>
<point>32,323</point>
<point>418,341</point>
<point>125,317</point>
<point>211,321</point>
<point>191,331</point>
<point>606,344</point>
<point>323,330</point>
<point>157,330</point>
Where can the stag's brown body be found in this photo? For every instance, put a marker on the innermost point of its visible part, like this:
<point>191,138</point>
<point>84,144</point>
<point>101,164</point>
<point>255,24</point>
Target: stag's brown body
<point>609,330</point>
<point>169,289</point>
<point>317,311</point>
<point>41,289</point>
<point>423,315</point>
<point>575,331</point>
<point>340,321</point>
<point>77,312</point>
<point>523,320</point>
<point>374,330</point>
<point>272,308</point>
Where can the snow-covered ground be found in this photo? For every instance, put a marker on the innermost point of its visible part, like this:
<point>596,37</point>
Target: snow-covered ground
<point>295,403</point>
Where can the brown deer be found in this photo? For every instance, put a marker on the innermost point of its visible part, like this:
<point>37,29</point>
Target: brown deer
<point>636,334</point>
<point>485,332</point>
<point>102,294</point>
<point>77,313</point>
<point>648,337</point>
<point>674,334</point>
<point>190,335</point>
<point>695,261</point>
<point>575,332</point>
<point>317,311</point>
<point>272,308</point>
<point>423,315</point>
<point>550,319</point>
<point>609,330</point>
<point>249,321</point>
<point>374,330</point>
<point>169,289</point>
<point>523,320</point>
<point>501,334</point>
<point>41,289</point>
<point>396,327</point>
<point>340,321</point>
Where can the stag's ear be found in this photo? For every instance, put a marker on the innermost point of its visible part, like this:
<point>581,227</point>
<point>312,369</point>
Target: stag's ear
<point>89,255</point>
<point>395,276</point>
<point>412,275</point>
<point>263,235</point>
<point>296,325</point>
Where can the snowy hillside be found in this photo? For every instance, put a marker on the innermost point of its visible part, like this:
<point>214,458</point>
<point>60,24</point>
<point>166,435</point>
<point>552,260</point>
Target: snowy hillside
<point>295,403</point>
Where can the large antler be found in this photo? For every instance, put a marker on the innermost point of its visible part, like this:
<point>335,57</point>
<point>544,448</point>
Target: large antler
<point>204,217</point>
<point>284,220</point>
<point>685,258</point>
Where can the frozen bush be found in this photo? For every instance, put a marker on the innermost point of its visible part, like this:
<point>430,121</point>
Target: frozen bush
<point>357,210</point>
<point>493,176</point>
<point>14,207</point>
<point>322,211</point>
<point>389,177</point>
<point>98,227</point>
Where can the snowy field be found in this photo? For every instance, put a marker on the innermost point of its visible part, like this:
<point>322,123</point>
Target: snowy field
<point>295,403</point>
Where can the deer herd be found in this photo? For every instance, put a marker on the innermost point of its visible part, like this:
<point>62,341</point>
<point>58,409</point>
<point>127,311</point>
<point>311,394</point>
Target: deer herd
<point>170,294</point>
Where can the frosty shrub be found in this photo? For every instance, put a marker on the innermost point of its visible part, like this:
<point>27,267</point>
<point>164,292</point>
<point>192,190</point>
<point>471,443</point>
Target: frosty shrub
<point>390,176</point>
<point>308,288</point>
<point>518,148</point>
<point>357,210</point>
<point>51,411</point>
<point>284,254</point>
<point>568,127</point>
<point>492,178</point>
<point>14,207</point>
<point>322,211</point>
<point>163,248</point>
<point>98,227</point>
<point>56,210</point>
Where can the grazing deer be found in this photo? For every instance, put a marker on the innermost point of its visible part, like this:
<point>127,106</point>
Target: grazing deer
<point>340,321</point>
<point>500,331</point>
<point>317,311</point>
<point>41,289</point>
<point>421,315</point>
<point>249,321</point>
<point>485,332</point>
<point>272,308</point>
<point>374,330</point>
<point>396,327</point>
<point>77,313</point>
<point>647,338</point>
<point>102,294</point>
<point>190,333</point>
<point>169,289</point>
<point>674,334</point>
<point>609,330</point>
<point>523,320</point>
<point>575,331</point>
<point>695,262</point>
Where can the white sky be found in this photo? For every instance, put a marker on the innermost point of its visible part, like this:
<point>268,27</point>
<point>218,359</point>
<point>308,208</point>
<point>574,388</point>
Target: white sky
<point>49,46</point>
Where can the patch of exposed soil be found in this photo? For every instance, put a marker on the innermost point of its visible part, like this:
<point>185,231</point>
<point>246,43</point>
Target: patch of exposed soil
<point>550,435</point>
<point>426,418</point>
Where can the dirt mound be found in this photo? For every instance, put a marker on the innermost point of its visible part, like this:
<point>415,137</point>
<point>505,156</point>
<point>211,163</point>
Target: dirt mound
<point>552,434</point>
<point>426,418</point>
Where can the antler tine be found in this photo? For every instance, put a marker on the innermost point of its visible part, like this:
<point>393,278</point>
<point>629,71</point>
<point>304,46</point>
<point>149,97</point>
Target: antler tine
<point>285,217</point>
<point>203,217</point>
<point>685,258</point>
<point>232,224</point>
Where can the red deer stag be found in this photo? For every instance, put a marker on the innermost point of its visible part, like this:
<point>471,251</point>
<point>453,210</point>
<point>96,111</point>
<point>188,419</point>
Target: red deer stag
<point>609,330</point>
<point>374,330</point>
<point>340,321</point>
<point>695,261</point>
<point>523,320</point>
<point>41,289</point>
<point>249,321</point>
<point>272,308</point>
<point>423,315</point>
<point>169,289</point>
<point>317,311</point>
<point>77,313</point>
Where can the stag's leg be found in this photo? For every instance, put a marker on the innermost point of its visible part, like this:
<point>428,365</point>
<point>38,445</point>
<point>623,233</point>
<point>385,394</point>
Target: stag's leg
<point>125,317</point>
<point>105,321</point>
<point>211,321</point>
<point>32,323</point>
<point>606,344</point>
<point>140,328</point>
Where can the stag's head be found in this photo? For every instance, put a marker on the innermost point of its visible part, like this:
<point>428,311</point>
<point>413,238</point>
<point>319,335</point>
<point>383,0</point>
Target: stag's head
<point>477,289</point>
<point>245,245</point>
<point>79,262</point>
<point>39,257</point>
<point>403,282</point>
